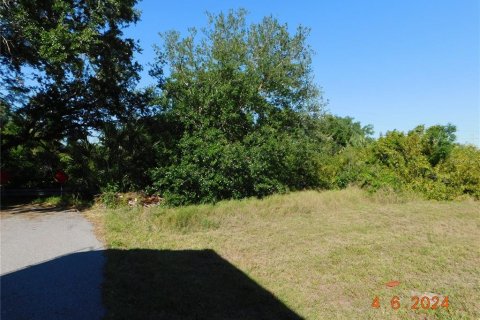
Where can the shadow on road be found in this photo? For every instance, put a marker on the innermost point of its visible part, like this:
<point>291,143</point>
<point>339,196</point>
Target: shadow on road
<point>68,287</point>
<point>22,208</point>
<point>139,284</point>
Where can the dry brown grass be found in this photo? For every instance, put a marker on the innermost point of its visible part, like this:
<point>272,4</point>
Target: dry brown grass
<point>326,255</point>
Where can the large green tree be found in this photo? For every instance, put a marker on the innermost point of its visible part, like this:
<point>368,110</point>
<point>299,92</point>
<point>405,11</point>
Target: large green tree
<point>235,76</point>
<point>66,66</point>
<point>245,101</point>
<point>66,70</point>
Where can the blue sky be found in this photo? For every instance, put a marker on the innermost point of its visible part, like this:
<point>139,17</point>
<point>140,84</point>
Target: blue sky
<point>392,64</point>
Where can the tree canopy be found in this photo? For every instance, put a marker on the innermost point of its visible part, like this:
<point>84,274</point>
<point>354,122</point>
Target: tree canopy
<point>235,112</point>
<point>65,65</point>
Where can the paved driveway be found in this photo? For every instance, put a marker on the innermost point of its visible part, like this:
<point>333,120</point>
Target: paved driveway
<point>51,265</point>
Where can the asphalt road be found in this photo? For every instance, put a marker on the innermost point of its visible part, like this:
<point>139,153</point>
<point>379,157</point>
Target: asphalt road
<point>51,265</point>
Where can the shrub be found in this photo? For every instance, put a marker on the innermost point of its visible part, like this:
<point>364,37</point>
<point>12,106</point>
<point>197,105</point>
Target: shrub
<point>460,172</point>
<point>424,161</point>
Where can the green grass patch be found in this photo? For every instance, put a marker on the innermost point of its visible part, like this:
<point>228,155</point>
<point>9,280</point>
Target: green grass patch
<point>65,201</point>
<point>313,255</point>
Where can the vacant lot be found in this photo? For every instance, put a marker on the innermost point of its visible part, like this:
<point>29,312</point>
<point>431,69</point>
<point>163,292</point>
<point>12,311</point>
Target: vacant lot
<point>313,255</point>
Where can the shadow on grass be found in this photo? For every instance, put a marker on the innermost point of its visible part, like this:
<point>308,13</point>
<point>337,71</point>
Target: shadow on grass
<point>189,284</point>
<point>138,284</point>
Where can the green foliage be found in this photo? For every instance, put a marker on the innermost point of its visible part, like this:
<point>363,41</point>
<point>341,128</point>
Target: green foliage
<point>66,69</point>
<point>460,172</point>
<point>237,77</point>
<point>77,158</point>
<point>281,161</point>
<point>238,115</point>
<point>109,199</point>
<point>244,100</point>
<point>211,169</point>
<point>109,196</point>
<point>438,142</point>
<point>424,161</point>
<point>208,169</point>
<point>64,201</point>
<point>344,132</point>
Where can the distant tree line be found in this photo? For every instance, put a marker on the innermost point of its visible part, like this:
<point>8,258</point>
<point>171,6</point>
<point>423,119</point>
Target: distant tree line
<point>234,113</point>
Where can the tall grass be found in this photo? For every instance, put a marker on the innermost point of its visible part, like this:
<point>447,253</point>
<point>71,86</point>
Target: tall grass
<point>211,216</point>
<point>324,254</point>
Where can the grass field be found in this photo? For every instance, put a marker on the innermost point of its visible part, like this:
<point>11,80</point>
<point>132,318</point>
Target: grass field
<point>312,255</point>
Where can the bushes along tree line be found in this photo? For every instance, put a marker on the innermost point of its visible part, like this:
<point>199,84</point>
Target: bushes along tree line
<point>234,113</point>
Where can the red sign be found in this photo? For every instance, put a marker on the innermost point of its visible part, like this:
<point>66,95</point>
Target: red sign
<point>61,177</point>
<point>4,177</point>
